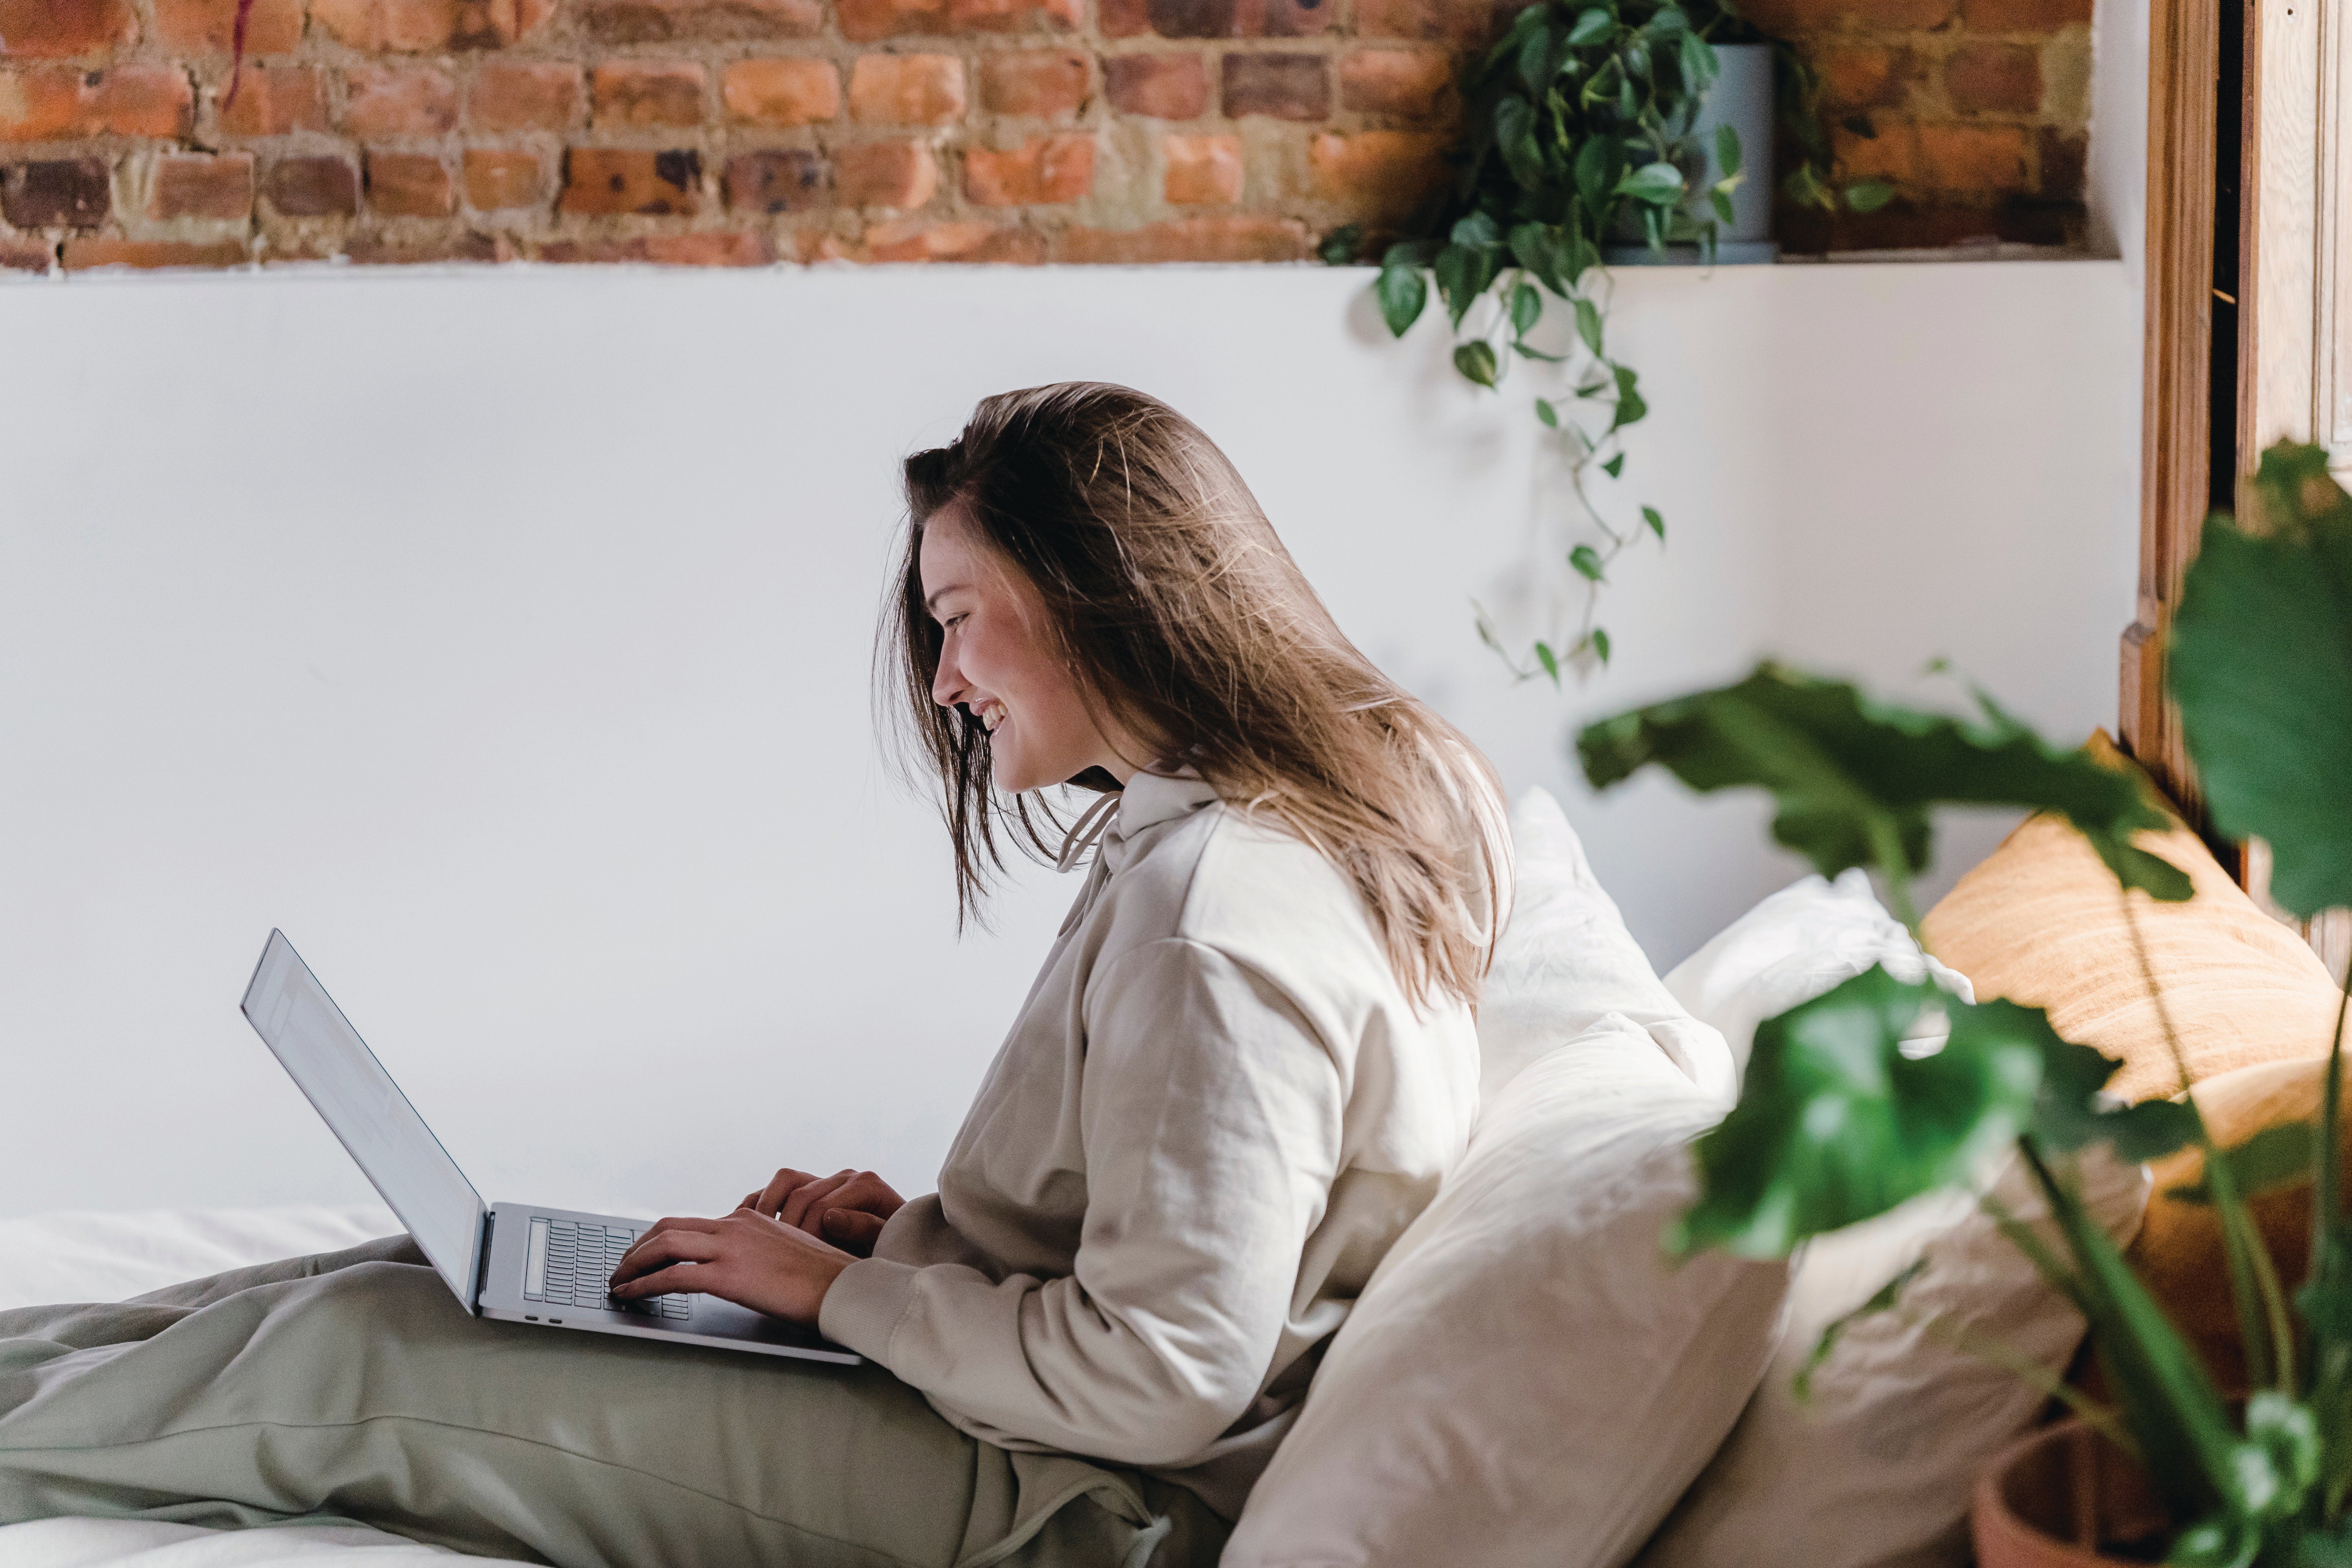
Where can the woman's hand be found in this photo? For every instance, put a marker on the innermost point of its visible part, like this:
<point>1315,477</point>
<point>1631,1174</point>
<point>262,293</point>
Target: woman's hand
<point>846,1208</point>
<point>745,1258</point>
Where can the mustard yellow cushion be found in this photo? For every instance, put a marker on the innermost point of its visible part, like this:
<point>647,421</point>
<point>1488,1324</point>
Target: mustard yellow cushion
<point>2042,921</point>
<point>2178,1248</point>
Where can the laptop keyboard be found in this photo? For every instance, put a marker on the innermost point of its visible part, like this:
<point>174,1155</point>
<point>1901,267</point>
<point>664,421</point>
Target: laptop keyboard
<point>568,1263</point>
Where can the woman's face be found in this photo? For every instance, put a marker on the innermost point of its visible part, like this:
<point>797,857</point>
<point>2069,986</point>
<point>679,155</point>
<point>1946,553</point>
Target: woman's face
<point>998,660</point>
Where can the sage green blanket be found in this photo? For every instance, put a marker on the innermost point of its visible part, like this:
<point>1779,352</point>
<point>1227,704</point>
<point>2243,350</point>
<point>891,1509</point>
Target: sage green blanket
<point>350,1385</point>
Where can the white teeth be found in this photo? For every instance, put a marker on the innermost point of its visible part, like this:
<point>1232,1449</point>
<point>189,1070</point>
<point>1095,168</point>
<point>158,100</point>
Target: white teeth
<point>990,715</point>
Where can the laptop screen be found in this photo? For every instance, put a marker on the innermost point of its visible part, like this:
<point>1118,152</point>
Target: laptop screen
<point>331,1064</point>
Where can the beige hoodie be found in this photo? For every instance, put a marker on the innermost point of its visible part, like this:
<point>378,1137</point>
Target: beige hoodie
<point>1214,1113</point>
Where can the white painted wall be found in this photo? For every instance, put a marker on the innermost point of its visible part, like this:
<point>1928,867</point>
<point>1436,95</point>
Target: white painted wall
<point>504,637</point>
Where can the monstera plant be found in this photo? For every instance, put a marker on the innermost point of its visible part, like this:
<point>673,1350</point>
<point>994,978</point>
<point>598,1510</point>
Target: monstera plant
<point>1835,1123</point>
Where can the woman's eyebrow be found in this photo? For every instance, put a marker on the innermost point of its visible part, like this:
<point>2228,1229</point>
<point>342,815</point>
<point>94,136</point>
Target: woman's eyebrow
<point>932,601</point>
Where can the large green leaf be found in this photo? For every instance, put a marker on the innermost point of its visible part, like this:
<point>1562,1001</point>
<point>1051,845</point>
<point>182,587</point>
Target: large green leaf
<point>1854,779</point>
<point>1836,1124</point>
<point>2261,663</point>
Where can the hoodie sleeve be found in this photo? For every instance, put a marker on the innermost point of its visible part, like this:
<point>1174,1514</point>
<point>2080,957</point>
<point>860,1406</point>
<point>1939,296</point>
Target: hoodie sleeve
<point>1210,1116</point>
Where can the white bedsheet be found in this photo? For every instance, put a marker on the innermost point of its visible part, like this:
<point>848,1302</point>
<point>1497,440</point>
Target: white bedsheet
<point>109,1256</point>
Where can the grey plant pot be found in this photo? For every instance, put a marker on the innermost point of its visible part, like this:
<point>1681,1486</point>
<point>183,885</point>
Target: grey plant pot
<point>1741,97</point>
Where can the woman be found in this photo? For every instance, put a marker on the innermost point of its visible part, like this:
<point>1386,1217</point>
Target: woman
<point>1247,1062</point>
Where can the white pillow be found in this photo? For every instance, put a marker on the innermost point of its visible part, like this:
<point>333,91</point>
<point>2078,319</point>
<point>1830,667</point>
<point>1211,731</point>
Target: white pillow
<point>1526,1379</point>
<point>1809,937</point>
<point>1565,958</point>
<point>1875,1470</point>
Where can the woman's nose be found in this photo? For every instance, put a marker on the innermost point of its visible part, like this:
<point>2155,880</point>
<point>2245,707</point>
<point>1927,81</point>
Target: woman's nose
<point>947,683</point>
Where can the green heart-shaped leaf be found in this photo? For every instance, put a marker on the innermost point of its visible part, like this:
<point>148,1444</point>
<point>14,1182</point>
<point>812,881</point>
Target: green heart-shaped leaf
<point>1402,292</point>
<point>2261,663</point>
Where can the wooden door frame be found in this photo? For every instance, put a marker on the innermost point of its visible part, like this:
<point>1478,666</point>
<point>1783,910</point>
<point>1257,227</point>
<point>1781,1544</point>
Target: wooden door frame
<point>2265,104</point>
<point>2176,388</point>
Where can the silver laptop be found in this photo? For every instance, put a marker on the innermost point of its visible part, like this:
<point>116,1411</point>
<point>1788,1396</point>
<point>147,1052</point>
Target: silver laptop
<point>518,1262</point>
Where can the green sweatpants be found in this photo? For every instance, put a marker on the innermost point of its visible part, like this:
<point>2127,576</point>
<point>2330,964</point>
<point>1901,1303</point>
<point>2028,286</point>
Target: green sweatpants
<point>350,1385</point>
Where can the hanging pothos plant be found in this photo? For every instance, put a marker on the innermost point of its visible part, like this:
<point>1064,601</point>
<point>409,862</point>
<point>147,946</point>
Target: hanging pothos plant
<point>1578,133</point>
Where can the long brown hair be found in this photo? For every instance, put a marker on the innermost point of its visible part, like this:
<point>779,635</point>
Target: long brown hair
<point>1184,618</point>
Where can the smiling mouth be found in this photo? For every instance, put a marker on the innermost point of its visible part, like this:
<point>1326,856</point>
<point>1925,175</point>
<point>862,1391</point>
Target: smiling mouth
<point>991,714</point>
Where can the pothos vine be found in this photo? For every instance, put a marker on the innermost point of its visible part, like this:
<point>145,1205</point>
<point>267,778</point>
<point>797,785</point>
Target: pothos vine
<point>1580,132</point>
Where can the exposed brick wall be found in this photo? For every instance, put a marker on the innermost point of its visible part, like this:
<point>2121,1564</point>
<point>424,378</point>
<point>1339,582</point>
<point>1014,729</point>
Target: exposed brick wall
<point>1978,111</point>
<point>742,132</point>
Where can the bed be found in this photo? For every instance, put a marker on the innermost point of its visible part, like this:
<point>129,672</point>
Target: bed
<point>93,1256</point>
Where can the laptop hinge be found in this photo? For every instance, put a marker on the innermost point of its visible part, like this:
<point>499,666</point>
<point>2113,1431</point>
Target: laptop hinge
<point>482,1265</point>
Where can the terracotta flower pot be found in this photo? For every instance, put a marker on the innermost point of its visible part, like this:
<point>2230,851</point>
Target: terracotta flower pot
<point>2063,1498</point>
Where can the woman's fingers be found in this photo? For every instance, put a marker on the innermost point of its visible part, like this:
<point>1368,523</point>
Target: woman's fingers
<point>781,1185</point>
<point>799,1210</point>
<point>745,1258</point>
<point>851,1230</point>
<point>669,1241</point>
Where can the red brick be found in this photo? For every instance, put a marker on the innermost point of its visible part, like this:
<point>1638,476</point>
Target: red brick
<point>144,100</point>
<point>66,30</point>
<point>83,254</point>
<point>699,21</point>
<point>1044,171</point>
<point>272,100</point>
<point>1202,170</point>
<point>648,92</point>
<point>2024,15</point>
<point>495,24</point>
<point>1014,16</point>
<point>1973,158</point>
<point>410,185</point>
<point>398,100</point>
<point>1892,154</point>
<point>782,92</point>
<point>1159,87</point>
<point>1784,18</point>
<point>217,186</point>
<point>1462,23</point>
<point>1042,84</point>
<point>1287,87</point>
<point>2062,160</point>
<point>26,255</point>
<point>379,27</point>
<point>907,89</point>
<point>209,27</point>
<point>1401,83</point>
<point>1240,18</point>
<point>810,246</point>
<point>707,249</point>
<point>900,174</point>
<point>1996,76</point>
<point>1188,239</point>
<point>517,95</point>
<point>53,104</point>
<point>710,248</point>
<point>624,180</point>
<point>1865,76</point>
<point>312,188</point>
<point>64,193</point>
<point>1122,18</point>
<point>372,251</point>
<point>786,180</point>
<point>499,178</point>
<point>911,240</point>
<point>864,21</point>
<point>1375,172</point>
